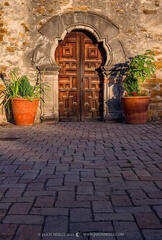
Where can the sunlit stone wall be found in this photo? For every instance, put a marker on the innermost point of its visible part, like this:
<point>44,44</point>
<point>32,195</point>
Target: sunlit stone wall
<point>139,23</point>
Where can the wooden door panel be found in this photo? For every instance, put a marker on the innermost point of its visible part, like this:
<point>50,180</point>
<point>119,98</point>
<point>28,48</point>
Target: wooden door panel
<point>68,106</point>
<point>69,98</point>
<point>80,87</point>
<point>68,82</point>
<point>92,84</point>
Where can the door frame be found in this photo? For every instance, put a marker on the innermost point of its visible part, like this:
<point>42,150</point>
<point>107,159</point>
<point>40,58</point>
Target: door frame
<point>55,30</point>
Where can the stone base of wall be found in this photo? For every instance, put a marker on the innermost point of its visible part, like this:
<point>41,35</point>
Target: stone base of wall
<point>3,118</point>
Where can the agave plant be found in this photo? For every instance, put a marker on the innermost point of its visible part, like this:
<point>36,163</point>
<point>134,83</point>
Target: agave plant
<point>20,87</point>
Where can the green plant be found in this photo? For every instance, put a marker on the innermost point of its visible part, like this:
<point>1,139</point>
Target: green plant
<point>20,87</point>
<point>141,67</point>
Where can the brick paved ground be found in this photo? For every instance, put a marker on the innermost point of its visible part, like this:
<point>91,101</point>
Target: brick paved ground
<point>85,178</point>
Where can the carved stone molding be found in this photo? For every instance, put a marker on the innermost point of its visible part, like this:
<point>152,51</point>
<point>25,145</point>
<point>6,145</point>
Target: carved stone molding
<point>58,26</point>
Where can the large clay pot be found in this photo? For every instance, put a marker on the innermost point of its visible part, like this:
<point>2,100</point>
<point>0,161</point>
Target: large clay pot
<point>24,111</point>
<point>135,109</point>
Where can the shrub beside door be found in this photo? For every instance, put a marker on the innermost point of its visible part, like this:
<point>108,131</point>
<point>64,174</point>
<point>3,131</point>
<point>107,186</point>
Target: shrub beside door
<point>135,102</point>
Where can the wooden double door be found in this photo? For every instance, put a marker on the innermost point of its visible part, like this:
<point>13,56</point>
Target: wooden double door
<point>80,80</point>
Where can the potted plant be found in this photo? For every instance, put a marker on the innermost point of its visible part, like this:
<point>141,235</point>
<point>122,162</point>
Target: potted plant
<point>135,101</point>
<point>22,96</point>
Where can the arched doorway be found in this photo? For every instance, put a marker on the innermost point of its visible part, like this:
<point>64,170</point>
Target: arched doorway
<point>54,31</point>
<point>80,79</point>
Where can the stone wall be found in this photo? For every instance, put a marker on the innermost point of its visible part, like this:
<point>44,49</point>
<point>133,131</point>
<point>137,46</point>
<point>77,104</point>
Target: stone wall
<point>139,23</point>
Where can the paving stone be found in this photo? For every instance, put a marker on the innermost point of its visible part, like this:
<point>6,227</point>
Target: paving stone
<point>56,224</point>
<point>39,165</point>
<point>28,232</point>
<point>113,217</point>
<point>141,209</point>
<point>14,192</point>
<point>84,189</point>
<point>137,194</point>
<point>77,165</point>
<point>35,186</point>
<point>91,227</point>
<point>98,197</point>
<point>4,205</point>
<point>62,167</point>
<point>20,208</point>
<point>128,229</point>
<point>71,179</point>
<point>58,175</point>
<point>47,171</point>
<point>73,204</point>
<point>39,193</point>
<point>66,195</point>
<point>101,173</point>
<point>23,219</point>
<point>7,230</point>
<point>156,195</point>
<point>49,211</point>
<point>87,174</point>
<point>123,200</point>
<point>32,174</point>
<point>147,202</point>
<point>148,220</point>
<point>142,172</point>
<point>10,168</point>
<point>100,183</point>
<point>37,180</point>
<point>55,182</point>
<point>129,175</point>
<point>44,201</point>
<point>61,188</point>
<point>116,179</point>
<point>148,186</point>
<point>25,167</point>
<point>13,185</point>
<point>17,199</point>
<point>102,206</point>
<point>3,212</point>
<point>159,184</point>
<point>152,234</point>
<point>158,210</point>
<point>11,179</point>
<point>80,215</point>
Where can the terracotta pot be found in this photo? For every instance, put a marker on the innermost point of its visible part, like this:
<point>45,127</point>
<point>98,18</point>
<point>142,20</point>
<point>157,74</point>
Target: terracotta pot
<point>135,109</point>
<point>24,111</point>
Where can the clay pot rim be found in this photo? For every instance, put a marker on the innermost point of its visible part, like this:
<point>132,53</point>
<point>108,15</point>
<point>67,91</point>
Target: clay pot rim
<point>135,97</point>
<point>24,99</point>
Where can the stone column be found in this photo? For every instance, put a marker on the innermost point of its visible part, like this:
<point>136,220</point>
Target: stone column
<point>49,108</point>
<point>112,95</point>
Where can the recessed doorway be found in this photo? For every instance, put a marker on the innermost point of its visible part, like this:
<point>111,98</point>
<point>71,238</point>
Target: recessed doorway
<point>80,79</point>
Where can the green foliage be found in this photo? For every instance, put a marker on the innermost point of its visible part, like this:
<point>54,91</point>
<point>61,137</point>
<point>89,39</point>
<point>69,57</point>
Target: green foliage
<point>140,68</point>
<point>20,87</point>
<point>131,84</point>
<point>25,88</point>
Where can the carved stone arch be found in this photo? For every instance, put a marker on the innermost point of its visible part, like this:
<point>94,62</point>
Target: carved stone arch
<point>57,27</point>
<point>107,48</point>
<point>55,30</point>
